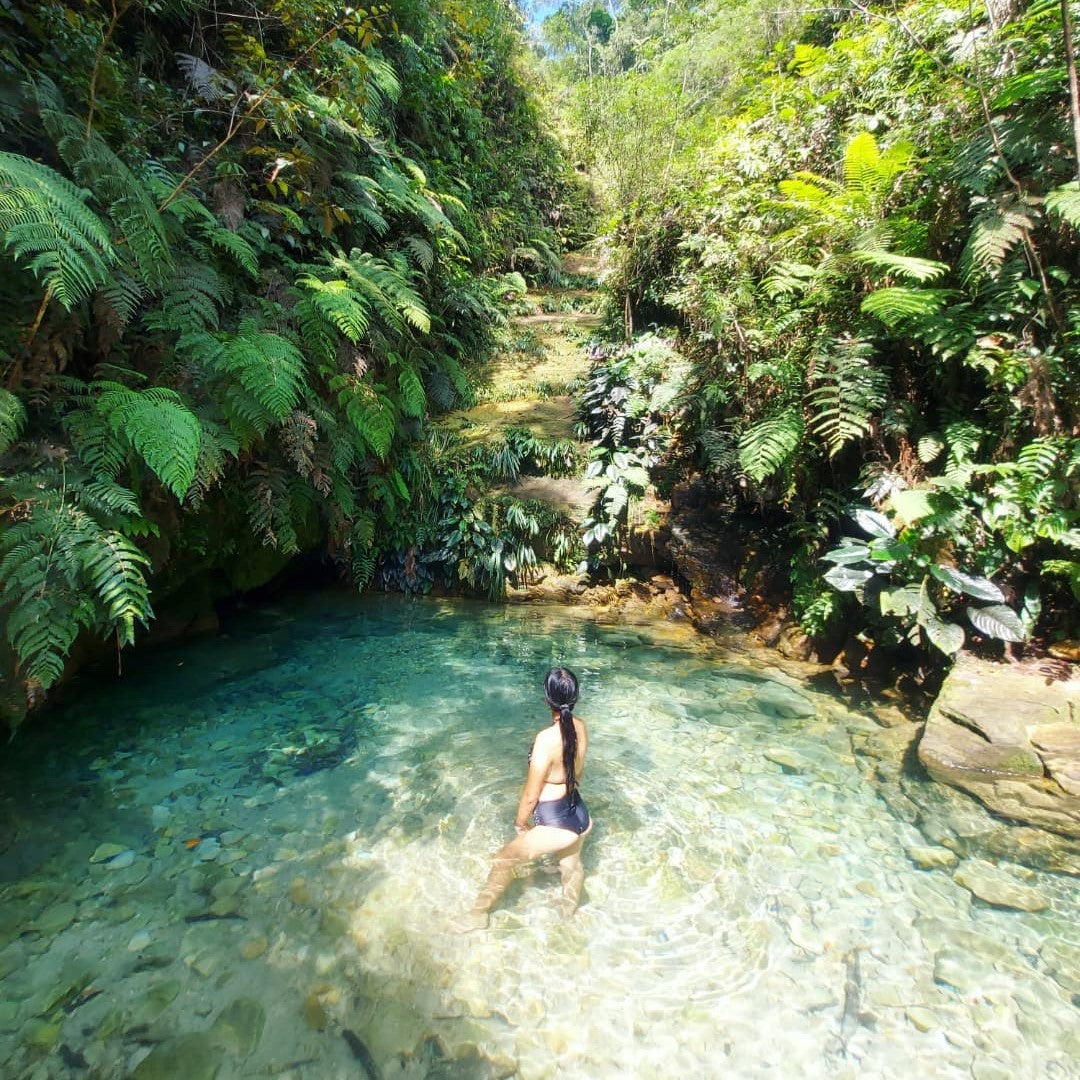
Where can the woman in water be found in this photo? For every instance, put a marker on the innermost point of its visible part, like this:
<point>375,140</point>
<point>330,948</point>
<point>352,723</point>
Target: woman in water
<point>551,798</point>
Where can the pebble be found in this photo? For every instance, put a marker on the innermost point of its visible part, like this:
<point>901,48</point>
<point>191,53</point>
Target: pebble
<point>42,1036</point>
<point>253,948</point>
<point>121,861</point>
<point>921,1019</point>
<point>788,760</point>
<point>299,893</point>
<point>931,858</point>
<point>315,1012</point>
<point>9,1015</point>
<point>139,941</point>
<point>209,849</point>
<point>104,852</point>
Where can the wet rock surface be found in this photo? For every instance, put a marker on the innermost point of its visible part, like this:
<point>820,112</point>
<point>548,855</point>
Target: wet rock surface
<point>1011,737</point>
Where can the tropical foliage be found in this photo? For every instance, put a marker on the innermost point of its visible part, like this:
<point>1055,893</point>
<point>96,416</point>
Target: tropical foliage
<point>864,229</point>
<point>244,257</point>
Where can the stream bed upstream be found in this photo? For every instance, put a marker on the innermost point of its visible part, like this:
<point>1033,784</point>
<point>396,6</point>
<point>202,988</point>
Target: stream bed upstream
<point>245,859</point>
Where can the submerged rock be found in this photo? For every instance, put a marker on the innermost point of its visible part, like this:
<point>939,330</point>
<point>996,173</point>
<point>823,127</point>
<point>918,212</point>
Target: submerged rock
<point>994,886</point>
<point>188,1057</point>
<point>104,852</point>
<point>239,1026</point>
<point>1011,738</point>
<point>932,858</point>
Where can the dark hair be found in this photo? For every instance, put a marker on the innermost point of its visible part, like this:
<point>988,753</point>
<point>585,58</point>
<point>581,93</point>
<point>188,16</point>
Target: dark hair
<point>561,692</point>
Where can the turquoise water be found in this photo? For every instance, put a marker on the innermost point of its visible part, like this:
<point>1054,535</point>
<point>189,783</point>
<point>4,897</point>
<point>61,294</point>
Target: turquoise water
<point>245,859</point>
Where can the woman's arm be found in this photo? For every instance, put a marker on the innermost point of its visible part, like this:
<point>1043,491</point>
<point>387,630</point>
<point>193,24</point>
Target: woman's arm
<point>539,765</point>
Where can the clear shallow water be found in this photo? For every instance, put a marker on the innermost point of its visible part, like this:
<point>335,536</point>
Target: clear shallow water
<point>298,811</point>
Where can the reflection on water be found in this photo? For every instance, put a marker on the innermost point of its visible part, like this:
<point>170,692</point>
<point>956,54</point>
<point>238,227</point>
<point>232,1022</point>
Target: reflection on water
<point>244,860</point>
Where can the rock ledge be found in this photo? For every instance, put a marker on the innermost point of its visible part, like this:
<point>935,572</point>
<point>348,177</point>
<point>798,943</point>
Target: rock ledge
<point>1011,737</point>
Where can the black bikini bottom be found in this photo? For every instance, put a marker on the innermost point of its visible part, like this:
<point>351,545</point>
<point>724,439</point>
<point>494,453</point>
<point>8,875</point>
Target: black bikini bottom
<point>558,814</point>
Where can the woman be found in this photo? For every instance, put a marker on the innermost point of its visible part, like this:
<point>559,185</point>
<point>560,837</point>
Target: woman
<point>550,796</point>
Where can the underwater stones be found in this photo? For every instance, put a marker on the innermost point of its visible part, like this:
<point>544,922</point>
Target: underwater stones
<point>9,1015</point>
<point>1010,737</point>
<point>187,1057</point>
<point>956,969</point>
<point>299,893</point>
<point>42,1035</point>
<point>239,1026</point>
<point>931,858</point>
<point>995,887</point>
<point>208,850</point>
<point>152,1003</point>
<point>314,1012</point>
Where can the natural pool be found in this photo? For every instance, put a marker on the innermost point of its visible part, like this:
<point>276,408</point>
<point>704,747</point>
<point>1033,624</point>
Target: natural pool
<point>245,859</point>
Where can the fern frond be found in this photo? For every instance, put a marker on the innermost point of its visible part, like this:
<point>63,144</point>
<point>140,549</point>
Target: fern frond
<point>268,366</point>
<point>770,444</point>
<point>114,566</point>
<point>900,304</point>
<point>413,397</point>
<point>1064,202</point>
<point>46,224</point>
<point>420,251</point>
<point>371,415</point>
<point>232,244</point>
<point>850,392</point>
<point>12,419</point>
<point>902,266</point>
<point>161,428</point>
<point>386,288</point>
<point>999,227</point>
<point>191,302</point>
<point>337,303</point>
<point>862,164</point>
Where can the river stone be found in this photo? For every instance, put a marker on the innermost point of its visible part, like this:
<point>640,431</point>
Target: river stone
<point>188,1057</point>
<point>956,969</point>
<point>1062,959</point>
<point>253,948</point>
<point>932,858</point>
<point>153,1003</point>
<point>239,1026</point>
<point>788,760</point>
<point>56,917</point>
<point>122,862</point>
<point>104,852</point>
<point>994,886</point>
<point>9,1015</point>
<point>1010,737</point>
<point>42,1036</point>
<point>921,1019</point>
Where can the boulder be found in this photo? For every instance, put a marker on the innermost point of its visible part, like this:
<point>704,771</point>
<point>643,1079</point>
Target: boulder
<point>1011,737</point>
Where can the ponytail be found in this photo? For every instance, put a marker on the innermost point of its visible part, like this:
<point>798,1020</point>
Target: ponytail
<point>569,750</point>
<point>561,692</point>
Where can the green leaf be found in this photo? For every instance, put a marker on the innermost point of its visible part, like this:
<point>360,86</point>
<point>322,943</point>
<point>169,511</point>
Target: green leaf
<point>847,579</point>
<point>959,582</point>
<point>947,636</point>
<point>997,621</point>
<point>850,551</point>
<point>872,522</point>
<point>912,505</point>
<point>904,601</point>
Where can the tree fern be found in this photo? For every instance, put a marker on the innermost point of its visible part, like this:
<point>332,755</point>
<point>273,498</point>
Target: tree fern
<point>46,224</point>
<point>233,244</point>
<point>161,428</point>
<point>770,444</point>
<point>850,391</point>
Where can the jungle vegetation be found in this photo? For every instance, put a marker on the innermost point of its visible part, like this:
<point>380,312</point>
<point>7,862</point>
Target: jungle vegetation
<point>859,222</point>
<point>247,252</point>
<point>247,255</point>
